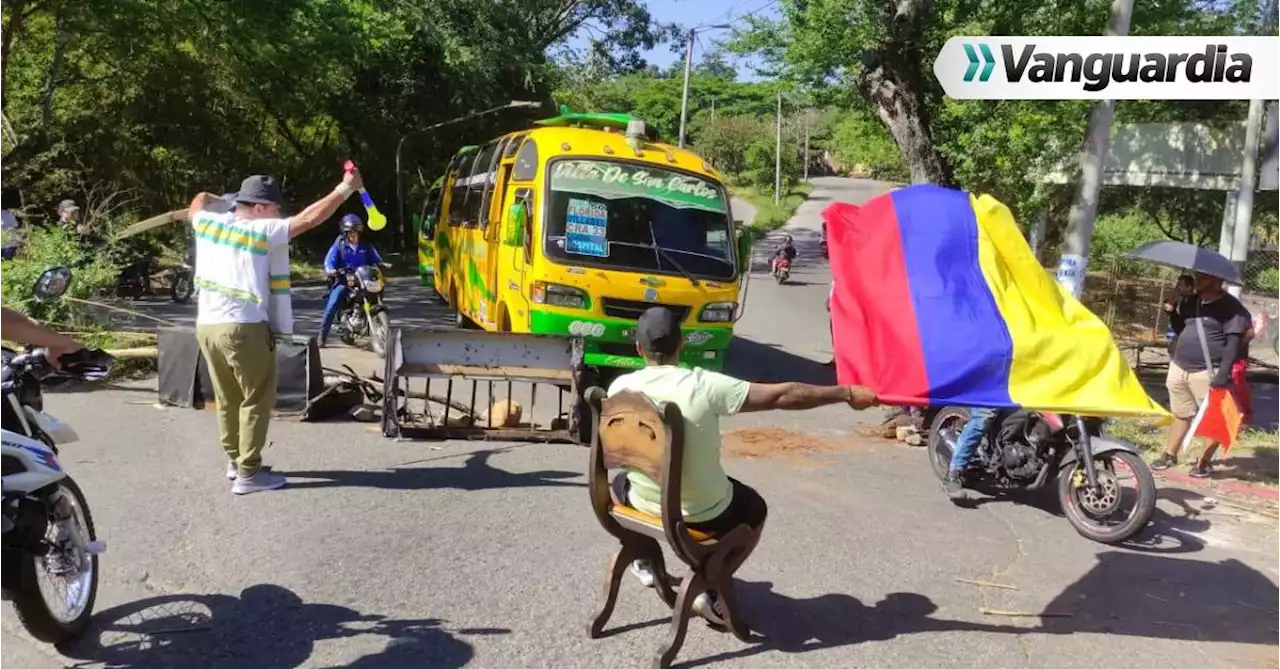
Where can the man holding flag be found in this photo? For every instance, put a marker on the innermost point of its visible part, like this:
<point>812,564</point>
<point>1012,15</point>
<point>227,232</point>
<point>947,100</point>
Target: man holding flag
<point>1211,342</point>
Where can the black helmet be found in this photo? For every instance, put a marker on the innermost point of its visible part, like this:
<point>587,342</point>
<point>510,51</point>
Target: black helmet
<point>352,223</point>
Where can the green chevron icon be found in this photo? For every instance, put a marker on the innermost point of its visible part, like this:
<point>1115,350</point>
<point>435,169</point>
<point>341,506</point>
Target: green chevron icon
<point>987,57</point>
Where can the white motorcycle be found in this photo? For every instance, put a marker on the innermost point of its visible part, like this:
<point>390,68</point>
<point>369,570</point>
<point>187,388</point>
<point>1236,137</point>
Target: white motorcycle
<point>49,549</point>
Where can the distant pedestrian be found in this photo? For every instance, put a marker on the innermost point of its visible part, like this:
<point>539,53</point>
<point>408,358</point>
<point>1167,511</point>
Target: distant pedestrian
<point>233,273</point>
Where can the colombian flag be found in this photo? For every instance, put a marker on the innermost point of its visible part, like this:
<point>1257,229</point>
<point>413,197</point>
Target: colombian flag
<point>939,301</point>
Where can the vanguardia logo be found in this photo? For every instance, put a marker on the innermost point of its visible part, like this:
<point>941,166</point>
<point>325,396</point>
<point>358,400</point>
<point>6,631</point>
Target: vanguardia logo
<point>1124,68</point>
<point>988,62</point>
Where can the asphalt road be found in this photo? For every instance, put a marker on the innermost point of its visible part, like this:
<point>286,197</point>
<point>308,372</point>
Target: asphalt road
<point>386,554</point>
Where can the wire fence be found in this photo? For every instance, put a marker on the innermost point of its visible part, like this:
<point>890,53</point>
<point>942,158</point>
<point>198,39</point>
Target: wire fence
<point>1130,299</point>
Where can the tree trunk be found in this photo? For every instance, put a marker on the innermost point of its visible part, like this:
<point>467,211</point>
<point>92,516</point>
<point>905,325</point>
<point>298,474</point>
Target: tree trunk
<point>892,83</point>
<point>892,79</point>
<point>61,39</point>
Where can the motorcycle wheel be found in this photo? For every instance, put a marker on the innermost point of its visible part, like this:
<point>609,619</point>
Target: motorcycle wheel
<point>943,433</point>
<point>1084,509</point>
<point>30,600</point>
<point>183,288</point>
<point>781,276</point>
<point>379,327</point>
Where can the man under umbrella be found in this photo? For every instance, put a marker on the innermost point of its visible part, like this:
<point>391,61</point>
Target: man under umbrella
<point>1223,323</point>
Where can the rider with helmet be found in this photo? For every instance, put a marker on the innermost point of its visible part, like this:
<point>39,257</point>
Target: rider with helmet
<point>787,251</point>
<point>347,253</point>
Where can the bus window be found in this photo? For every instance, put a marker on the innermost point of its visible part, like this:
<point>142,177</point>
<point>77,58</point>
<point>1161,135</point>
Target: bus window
<point>489,182</point>
<point>458,194</point>
<point>475,184</point>
<point>526,162</point>
<point>510,149</point>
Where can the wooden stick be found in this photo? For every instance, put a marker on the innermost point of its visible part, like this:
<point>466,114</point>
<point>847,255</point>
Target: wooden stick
<point>1022,614</point>
<point>134,353</point>
<point>987,584</point>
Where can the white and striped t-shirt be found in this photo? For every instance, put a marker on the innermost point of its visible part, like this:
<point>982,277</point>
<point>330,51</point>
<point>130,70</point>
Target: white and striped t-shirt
<point>233,268</point>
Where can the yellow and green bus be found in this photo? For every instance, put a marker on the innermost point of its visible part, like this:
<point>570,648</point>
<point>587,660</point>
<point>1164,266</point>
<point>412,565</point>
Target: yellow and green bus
<point>578,225</point>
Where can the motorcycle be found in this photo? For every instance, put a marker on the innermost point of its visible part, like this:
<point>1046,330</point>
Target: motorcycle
<point>781,269</point>
<point>363,313</point>
<point>49,550</point>
<point>1023,449</point>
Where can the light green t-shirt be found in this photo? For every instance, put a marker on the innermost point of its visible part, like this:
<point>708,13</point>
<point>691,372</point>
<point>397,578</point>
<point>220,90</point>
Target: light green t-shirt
<point>703,397</point>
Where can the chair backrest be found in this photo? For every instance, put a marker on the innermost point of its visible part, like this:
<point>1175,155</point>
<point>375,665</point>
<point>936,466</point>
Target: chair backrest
<point>633,435</point>
<point>632,432</point>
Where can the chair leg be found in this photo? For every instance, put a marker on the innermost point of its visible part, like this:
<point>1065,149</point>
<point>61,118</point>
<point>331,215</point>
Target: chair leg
<point>612,579</point>
<point>729,601</point>
<point>680,620</point>
<point>661,579</point>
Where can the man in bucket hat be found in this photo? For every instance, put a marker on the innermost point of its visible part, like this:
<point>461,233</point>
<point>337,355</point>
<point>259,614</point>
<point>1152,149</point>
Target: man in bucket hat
<point>233,274</point>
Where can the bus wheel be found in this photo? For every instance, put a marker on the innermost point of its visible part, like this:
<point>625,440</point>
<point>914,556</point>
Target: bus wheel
<point>504,319</point>
<point>459,320</point>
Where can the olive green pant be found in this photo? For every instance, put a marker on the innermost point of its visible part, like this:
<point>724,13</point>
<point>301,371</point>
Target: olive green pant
<point>241,359</point>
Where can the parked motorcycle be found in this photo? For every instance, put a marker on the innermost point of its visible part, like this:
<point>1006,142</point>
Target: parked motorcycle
<point>135,280</point>
<point>49,550</point>
<point>781,269</point>
<point>363,314</point>
<point>1024,449</point>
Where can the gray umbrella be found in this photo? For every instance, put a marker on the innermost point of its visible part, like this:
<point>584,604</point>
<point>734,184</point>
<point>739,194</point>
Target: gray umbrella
<point>1187,256</point>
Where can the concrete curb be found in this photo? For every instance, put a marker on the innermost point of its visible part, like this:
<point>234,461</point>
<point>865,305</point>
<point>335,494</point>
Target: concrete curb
<point>1258,494</point>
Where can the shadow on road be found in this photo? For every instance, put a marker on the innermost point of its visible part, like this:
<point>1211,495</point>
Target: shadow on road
<point>788,625</point>
<point>766,363</point>
<point>267,627</point>
<point>1125,592</point>
<point>476,474</point>
<point>1137,594</point>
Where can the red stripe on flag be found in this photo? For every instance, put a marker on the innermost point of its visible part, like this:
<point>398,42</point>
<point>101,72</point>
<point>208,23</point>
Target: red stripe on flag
<point>871,278</point>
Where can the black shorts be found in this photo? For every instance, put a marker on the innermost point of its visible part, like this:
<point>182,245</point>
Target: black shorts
<point>746,508</point>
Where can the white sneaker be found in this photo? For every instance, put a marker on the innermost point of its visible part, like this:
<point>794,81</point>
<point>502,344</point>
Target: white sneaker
<point>708,606</point>
<point>643,570</point>
<point>233,471</point>
<point>263,480</point>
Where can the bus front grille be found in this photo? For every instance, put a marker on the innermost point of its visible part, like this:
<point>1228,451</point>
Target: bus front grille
<point>631,309</point>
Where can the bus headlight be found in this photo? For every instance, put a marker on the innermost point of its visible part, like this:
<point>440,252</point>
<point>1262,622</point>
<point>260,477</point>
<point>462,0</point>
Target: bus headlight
<point>718,312</point>
<point>556,295</point>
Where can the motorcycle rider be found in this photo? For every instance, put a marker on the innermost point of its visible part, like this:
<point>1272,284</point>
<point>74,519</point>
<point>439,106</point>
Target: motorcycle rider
<point>786,251</point>
<point>966,443</point>
<point>347,253</point>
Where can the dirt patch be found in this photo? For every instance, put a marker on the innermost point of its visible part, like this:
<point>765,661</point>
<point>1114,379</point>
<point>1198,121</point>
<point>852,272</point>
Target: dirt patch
<point>773,442</point>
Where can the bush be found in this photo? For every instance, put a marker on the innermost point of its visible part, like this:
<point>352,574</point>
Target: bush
<point>761,168</point>
<point>1266,280</point>
<point>862,143</point>
<point>1116,234</point>
<point>93,273</point>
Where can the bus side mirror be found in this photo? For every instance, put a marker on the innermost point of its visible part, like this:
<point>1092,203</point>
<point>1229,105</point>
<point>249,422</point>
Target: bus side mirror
<point>745,239</point>
<point>517,221</point>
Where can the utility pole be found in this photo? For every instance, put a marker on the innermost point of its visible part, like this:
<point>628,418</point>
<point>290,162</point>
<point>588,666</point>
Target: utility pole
<point>1236,239</point>
<point>777,156</point>
<point>713,111</point>
<point>684,100</point>
<point>806,147</point>
<point>688,67</point>
<point>1075,256</point>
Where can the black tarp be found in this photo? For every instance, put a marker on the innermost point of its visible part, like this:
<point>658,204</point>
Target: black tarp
<point>184,378</point>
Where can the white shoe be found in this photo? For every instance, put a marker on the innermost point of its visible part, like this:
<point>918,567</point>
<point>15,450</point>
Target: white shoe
<point>232,471</point>
<point>263,480</point>
<point>643,570</point>
<point>708,606</point>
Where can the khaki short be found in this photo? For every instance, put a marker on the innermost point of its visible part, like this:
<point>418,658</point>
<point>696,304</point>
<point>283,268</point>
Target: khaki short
<point>1186,390</point>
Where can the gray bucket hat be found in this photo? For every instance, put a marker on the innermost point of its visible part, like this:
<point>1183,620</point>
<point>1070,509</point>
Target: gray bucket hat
<point>259,189</point>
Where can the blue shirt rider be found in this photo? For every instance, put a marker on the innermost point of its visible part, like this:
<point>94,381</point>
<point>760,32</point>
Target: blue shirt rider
<point>347,253</point>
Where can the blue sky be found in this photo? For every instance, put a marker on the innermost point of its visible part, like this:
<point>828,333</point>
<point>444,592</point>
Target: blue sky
<point>691,13</point>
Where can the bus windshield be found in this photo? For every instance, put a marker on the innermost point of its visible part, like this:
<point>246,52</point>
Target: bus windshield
<point>640,218</point>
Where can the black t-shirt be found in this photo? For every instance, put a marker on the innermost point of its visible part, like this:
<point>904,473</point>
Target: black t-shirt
<point>1221,317</point>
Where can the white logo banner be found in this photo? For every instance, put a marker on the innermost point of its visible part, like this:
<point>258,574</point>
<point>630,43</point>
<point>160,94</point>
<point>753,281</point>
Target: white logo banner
<point>1110,68</point>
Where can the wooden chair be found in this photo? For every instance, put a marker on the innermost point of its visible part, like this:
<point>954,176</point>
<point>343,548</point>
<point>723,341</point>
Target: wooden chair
<point>633,433</point>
